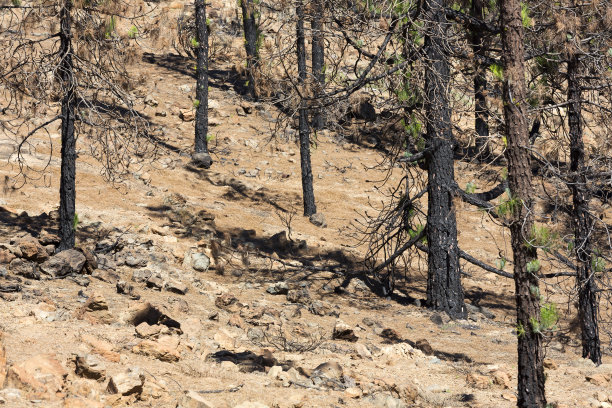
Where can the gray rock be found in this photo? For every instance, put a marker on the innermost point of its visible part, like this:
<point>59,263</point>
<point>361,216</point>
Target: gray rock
<point>141,275</point>
<point>299,296</point>
<point>127,383</point>
<point>24,268</point>
<point>200,262</point>
<point>175,286</point>
<point>89,366</point>
<point>201,160</point>
<point>134,261</point>
<point>64,263</point>
<point>318,219</point>
<point>386,401</point>
<point>278,288</point>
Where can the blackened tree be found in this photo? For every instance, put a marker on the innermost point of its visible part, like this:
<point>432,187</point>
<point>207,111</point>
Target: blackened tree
<point>201,156</point>
<point>531,379</point>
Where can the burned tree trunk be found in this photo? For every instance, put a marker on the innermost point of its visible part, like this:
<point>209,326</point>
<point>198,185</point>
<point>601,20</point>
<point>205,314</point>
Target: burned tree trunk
<point>304,128</point>
<point>530,353</point>
<point>201,157</point>
<point>249,24</point>
<point>587,288</point>
<point>68,166</point>
<point>481,111</point>
<point>444,291</point>
<point>318,60</point>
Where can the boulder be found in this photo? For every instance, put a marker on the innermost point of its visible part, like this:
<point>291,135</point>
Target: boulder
<point>32,250</point>
<point>27,269</point>
<point>89,366</point>
<point>126,383</point>
<point>318,219</point>
<point>200,262</point>
<point>41,376</point>
<point>164,349</point>
<point>64,263</point>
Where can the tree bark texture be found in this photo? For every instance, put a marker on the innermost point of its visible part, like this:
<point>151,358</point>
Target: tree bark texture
<point>531,377</point>
<point>68,153</point>
<point>249,24</point>
<point>318,59</point>
<point>444,291</point>
<point>304,128</point>
<point>201,119</point>
<point>481,111</point>
<point>588,301</point>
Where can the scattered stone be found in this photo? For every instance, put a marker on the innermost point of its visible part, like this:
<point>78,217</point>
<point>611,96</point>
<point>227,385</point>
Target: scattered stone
<point>6,256</point>
<point>550,364</point>
<point>318,220</point>
<point>147,331</point>
<point>343,331</point>
<point>362,351</point>
<point>353,392</point>
<point>201,160</point>
<point>155,281</point>
<point>300,295</point>
<point>135,261</point>
<point>89,366</point>
<point>47,238</point>
<point>101,347</point>
<point>236,321</point>
<point>200,262</point>
<point>161,114</point>
<point>439,318</point>
<point>41,376</point>
<point>64,263</point>
<point>164,349</point>
<point>185,88</point>
<point>175,286</point>
<point>32,250</point>
<point>187,115</point>
<point>225,301</point>
<point>275,371</point>
<point>149,100</point>
<point>331,370</point>
<point>126,383</point>
<point>598,379</point>
<point>24,268</point>
<point>192,399</point>
<point>501,378</point>
<point>478,381</point>
<point>278,288</point>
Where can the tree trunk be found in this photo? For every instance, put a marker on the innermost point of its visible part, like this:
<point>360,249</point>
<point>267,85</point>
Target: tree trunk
<point>318,60</point>
<point>481,111</point>
<point>444,291</point>
<point>527,294</point>
<point>250,44</point>
<point>201,156</point>
<point>68,165</point>
<point>588,301</point>
<point>304,129</point>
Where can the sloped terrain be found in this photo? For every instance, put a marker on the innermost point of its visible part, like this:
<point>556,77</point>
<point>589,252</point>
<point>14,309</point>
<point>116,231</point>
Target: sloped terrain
<point>208,288</point>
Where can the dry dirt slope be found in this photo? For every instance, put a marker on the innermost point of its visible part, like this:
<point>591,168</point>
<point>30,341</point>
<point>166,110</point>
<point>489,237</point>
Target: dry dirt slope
<point>268,322</point>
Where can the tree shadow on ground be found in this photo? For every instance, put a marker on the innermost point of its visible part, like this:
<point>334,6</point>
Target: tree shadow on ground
<point>219,79</point>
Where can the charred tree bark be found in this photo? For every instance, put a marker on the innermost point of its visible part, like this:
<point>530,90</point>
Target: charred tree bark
<point>201,156</point>
<point>318,60</point>
<point>481,111</point>
<point>68,165</point>
<point>588,301</point>
<point>249,24</point>
<point>444,291</point>
<point>304,128</point>
<point>531,378</point>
